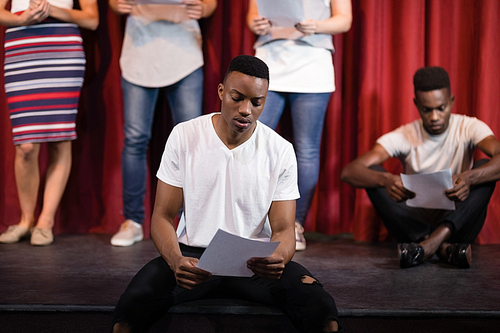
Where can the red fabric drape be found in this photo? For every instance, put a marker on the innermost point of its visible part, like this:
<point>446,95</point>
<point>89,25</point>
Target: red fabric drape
<point>374,65</point>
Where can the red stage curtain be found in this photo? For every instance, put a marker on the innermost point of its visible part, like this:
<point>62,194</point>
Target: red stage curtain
<point>374,65</point>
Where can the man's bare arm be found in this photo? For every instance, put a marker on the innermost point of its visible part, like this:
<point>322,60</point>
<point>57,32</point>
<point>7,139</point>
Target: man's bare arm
<point>358,174</point>
<point>168,203</point>
<point>488,172</point>
<point>282,221</point>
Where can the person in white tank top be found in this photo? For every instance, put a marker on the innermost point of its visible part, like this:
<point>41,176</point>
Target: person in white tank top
<point>302,77</point>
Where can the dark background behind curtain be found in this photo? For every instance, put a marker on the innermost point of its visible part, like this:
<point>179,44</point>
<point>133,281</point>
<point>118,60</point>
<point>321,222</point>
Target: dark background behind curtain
<point>374,64</point>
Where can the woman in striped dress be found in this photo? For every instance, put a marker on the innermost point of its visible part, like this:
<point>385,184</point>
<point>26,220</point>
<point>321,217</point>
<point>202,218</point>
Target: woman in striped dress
<point>44,68</point>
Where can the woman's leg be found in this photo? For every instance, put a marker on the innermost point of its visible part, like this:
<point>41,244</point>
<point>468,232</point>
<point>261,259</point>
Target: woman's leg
<point>27,180</point>
<point>273,108</point>
<point>55,183</point>
<point>186,96</point>
<point>308,115</point>
<point>138,106</point>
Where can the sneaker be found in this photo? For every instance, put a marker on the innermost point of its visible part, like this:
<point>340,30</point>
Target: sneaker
<point>130,232</point>
<point>300,241</point>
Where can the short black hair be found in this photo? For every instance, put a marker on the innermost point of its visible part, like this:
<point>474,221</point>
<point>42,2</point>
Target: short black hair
<point>248,65</point>
<point>431,78</point>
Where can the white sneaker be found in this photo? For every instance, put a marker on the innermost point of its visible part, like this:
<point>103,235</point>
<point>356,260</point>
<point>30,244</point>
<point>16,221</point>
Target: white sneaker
<point>300,241</point>
<point>130,232</point>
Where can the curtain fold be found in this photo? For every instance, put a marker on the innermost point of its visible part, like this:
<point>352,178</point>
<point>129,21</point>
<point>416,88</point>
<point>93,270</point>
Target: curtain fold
<point>374,65</point>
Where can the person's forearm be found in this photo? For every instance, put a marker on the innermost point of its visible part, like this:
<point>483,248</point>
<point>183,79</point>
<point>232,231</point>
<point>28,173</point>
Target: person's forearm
<point>8,19</point>
<point>31,15</point>
<point>334,25</point>
<point>85,19</point>
<point>286,249</point>
<point>208,8</point>
<point>340,19</point>
<point>358,175</point>
<point>488,172</point>
<point>113,4</point>
<point>165,239</point>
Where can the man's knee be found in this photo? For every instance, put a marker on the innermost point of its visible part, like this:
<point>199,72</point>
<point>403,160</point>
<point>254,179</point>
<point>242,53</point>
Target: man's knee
<point>321,303</point>
<point>307,279</point>
<point>122,327</point>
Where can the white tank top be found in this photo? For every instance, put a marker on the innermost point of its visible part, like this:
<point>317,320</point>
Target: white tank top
<point>22,5</point>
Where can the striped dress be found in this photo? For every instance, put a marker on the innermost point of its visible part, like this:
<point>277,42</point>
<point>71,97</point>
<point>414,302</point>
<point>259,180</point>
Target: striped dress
<point>44,69</point>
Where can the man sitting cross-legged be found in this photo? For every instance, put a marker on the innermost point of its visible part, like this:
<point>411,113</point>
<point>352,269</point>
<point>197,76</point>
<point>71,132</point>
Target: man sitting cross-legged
<point>438,140</point>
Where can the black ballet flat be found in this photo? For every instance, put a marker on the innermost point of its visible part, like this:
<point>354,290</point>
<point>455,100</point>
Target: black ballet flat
<point>458,254</point>
<point>410,254</point>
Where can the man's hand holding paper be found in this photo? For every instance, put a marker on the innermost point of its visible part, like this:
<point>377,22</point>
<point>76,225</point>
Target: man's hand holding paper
<point>429,189</point>
<point>231,255</point>
<point>461,188</point>
<point>270,267</point>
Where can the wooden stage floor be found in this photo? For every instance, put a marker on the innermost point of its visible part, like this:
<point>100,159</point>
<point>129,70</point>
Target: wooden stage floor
<point>81,274</point>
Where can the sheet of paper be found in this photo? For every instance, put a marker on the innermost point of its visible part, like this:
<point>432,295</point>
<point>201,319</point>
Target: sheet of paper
<point>159,2</point>
<point>429,189</point>
<point>281,13</point>
<point>227,254</point>
<point>155,10</point>
<point>285,33</point>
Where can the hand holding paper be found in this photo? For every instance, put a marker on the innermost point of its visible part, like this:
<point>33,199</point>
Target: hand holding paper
<point>228,254</point>
<point>162,10</point>
<point>159,2</point>
<point>270,267</point>
<point>284,16</point>
<point>429,189</point>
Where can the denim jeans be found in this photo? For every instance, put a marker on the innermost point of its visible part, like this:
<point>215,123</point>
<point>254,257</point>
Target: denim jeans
<point>308,114</point>
<point>185,102</point>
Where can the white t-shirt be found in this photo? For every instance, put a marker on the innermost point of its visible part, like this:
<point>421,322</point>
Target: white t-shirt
<point>228,189</point>
<point>22,5</point>
<point>297,67</point>
<point>159,53</point>
<point>421,152</point>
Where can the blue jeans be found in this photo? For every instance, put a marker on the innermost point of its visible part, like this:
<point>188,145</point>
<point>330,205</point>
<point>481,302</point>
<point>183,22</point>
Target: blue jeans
<point>185,102</point>
<point>308,114</point>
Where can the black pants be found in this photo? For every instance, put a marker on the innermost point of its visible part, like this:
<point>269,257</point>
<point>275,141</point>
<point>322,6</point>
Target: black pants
<point>154,290</point>
<point>410,224</point>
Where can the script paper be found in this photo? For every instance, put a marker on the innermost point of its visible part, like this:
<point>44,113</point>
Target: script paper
<point>429,189</point>
<point>168,10</point>
<point>281,13</point>
<point>158,2</point>
<point>227,254</point>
